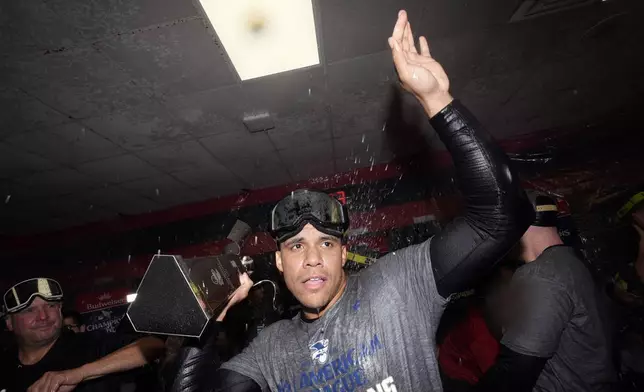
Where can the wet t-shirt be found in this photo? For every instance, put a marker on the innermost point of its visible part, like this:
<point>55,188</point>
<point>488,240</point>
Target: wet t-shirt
<point>380,335</point>
<point>560,318</point>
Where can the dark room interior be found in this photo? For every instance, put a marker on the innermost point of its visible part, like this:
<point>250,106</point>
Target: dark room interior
<point>135,128</point>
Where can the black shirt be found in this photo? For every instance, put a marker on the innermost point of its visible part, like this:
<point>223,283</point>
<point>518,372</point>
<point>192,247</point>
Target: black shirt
<point>70,351</point>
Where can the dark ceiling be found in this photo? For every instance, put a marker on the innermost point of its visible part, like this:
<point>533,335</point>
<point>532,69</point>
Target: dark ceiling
<point>122,107</point>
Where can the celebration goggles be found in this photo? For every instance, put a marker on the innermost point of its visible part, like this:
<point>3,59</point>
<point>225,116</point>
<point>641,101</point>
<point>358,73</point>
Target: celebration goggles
<point>303,206</point>
<point>20,296</point>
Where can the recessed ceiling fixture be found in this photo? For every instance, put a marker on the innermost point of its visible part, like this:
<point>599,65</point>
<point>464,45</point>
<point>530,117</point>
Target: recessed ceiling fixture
<point>264,37</point>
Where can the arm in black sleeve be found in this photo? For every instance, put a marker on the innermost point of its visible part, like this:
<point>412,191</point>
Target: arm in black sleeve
<point>512,372</point>
<point>497,212</point>
<point>195,368</point>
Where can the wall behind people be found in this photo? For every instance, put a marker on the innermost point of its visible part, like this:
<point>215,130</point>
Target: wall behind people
<point>390,207</point>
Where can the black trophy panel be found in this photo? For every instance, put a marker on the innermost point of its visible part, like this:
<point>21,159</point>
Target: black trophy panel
<point>165,303</point>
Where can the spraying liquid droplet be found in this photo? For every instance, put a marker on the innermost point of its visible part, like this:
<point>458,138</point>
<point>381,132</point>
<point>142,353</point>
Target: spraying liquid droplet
<point>309,92</point>
<point>255,240</point>
<point>386,167</point>
<point>6,199</point>
<point>157,191</point>
<point>129,257</point>
<point>363,136</point>
<point>384,126</point>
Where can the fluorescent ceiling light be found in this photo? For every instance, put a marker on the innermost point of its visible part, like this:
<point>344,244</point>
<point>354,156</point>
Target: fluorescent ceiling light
<point>264,37</point>
<point>130,297</point>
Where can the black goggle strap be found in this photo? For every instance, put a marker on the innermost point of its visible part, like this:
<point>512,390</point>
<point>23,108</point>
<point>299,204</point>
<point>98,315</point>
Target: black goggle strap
<point>288,232</point>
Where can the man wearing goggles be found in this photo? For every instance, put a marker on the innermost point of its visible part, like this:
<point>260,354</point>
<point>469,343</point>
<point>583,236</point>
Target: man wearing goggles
<point>50,358</point>
<point>375,331</point>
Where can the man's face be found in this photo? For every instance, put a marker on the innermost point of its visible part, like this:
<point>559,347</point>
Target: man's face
<point>37,325</point>
<point>312,262</point>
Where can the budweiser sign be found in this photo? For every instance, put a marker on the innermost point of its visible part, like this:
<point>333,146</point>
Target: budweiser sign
<point>89,302</point>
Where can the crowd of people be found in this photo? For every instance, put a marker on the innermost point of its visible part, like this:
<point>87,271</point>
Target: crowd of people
<point>524,312</point>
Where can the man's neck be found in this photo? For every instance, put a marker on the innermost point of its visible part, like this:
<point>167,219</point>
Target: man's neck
<point>313,314</point>
<point>30,355</point>
<point>535,249</point>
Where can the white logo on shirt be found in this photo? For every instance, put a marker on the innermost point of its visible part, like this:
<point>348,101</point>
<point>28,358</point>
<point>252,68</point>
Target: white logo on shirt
<point>320,350</point>
<point>386,385</point>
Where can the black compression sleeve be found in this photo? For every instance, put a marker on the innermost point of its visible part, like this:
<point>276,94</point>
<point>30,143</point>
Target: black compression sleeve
<point>497,212</point>
<point>512,372</point>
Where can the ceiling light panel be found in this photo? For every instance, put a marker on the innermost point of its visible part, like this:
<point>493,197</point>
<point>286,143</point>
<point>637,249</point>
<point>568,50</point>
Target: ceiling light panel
<point>265,37</point>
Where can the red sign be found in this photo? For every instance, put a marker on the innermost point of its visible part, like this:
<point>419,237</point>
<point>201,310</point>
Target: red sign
<point>89,302</point>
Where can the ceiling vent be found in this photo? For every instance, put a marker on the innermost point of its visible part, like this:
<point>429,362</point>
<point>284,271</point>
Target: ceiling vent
<point>258,121</point>
<point>534,8</point>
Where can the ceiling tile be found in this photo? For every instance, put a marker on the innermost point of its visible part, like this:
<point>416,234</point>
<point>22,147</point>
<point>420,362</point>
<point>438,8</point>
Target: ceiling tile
<point>210,112</point>
<point>15,163</point>
<point>238,146</point>
<point>118,169</point>
<point>486,96</point>
<point>219,189</point>
<point>444,17</point>
<point>163,189</point>
<point>211,176</point>
<point>68,205</point>
<point>300,129</point>
<point>286,93</point>
<point>359,93</point>
<point>143,127</point>
<point>45,29</point>
<point>70,144</point>
<point>358,27</point>
<point>179,157</point>
<point>120,200</point>
<point>309,160</point>
<point>58,182</point>
<point>21,112</point>
<point>251,158</point>
<point>162,57</point>
<point>264,176</point>
<point>80,82</point>
<point>13,192</point>
<point>363,149</point>
<point>97,18</point>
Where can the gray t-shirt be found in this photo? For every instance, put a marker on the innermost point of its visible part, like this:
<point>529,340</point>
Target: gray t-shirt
<point>559,316</point>
<point>378,337</point>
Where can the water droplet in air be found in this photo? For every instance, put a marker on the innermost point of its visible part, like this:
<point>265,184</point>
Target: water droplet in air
<point>159,251</point>
<point>386,167</point>
<point>6,199</point>
<point>363,137</point>
<point>157,191</point>
<point>255,240</point>
<point>309,92</point>
<point>384,126</point>
<point>367,148</point>
<point>91,206</point>
<point>129,257</point>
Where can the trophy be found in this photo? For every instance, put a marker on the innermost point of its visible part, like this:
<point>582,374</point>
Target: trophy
<point>180,296</point>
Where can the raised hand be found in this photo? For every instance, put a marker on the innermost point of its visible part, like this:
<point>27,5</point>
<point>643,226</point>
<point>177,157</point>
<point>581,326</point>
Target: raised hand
<point>419,73</point>
<point>239,295</point>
